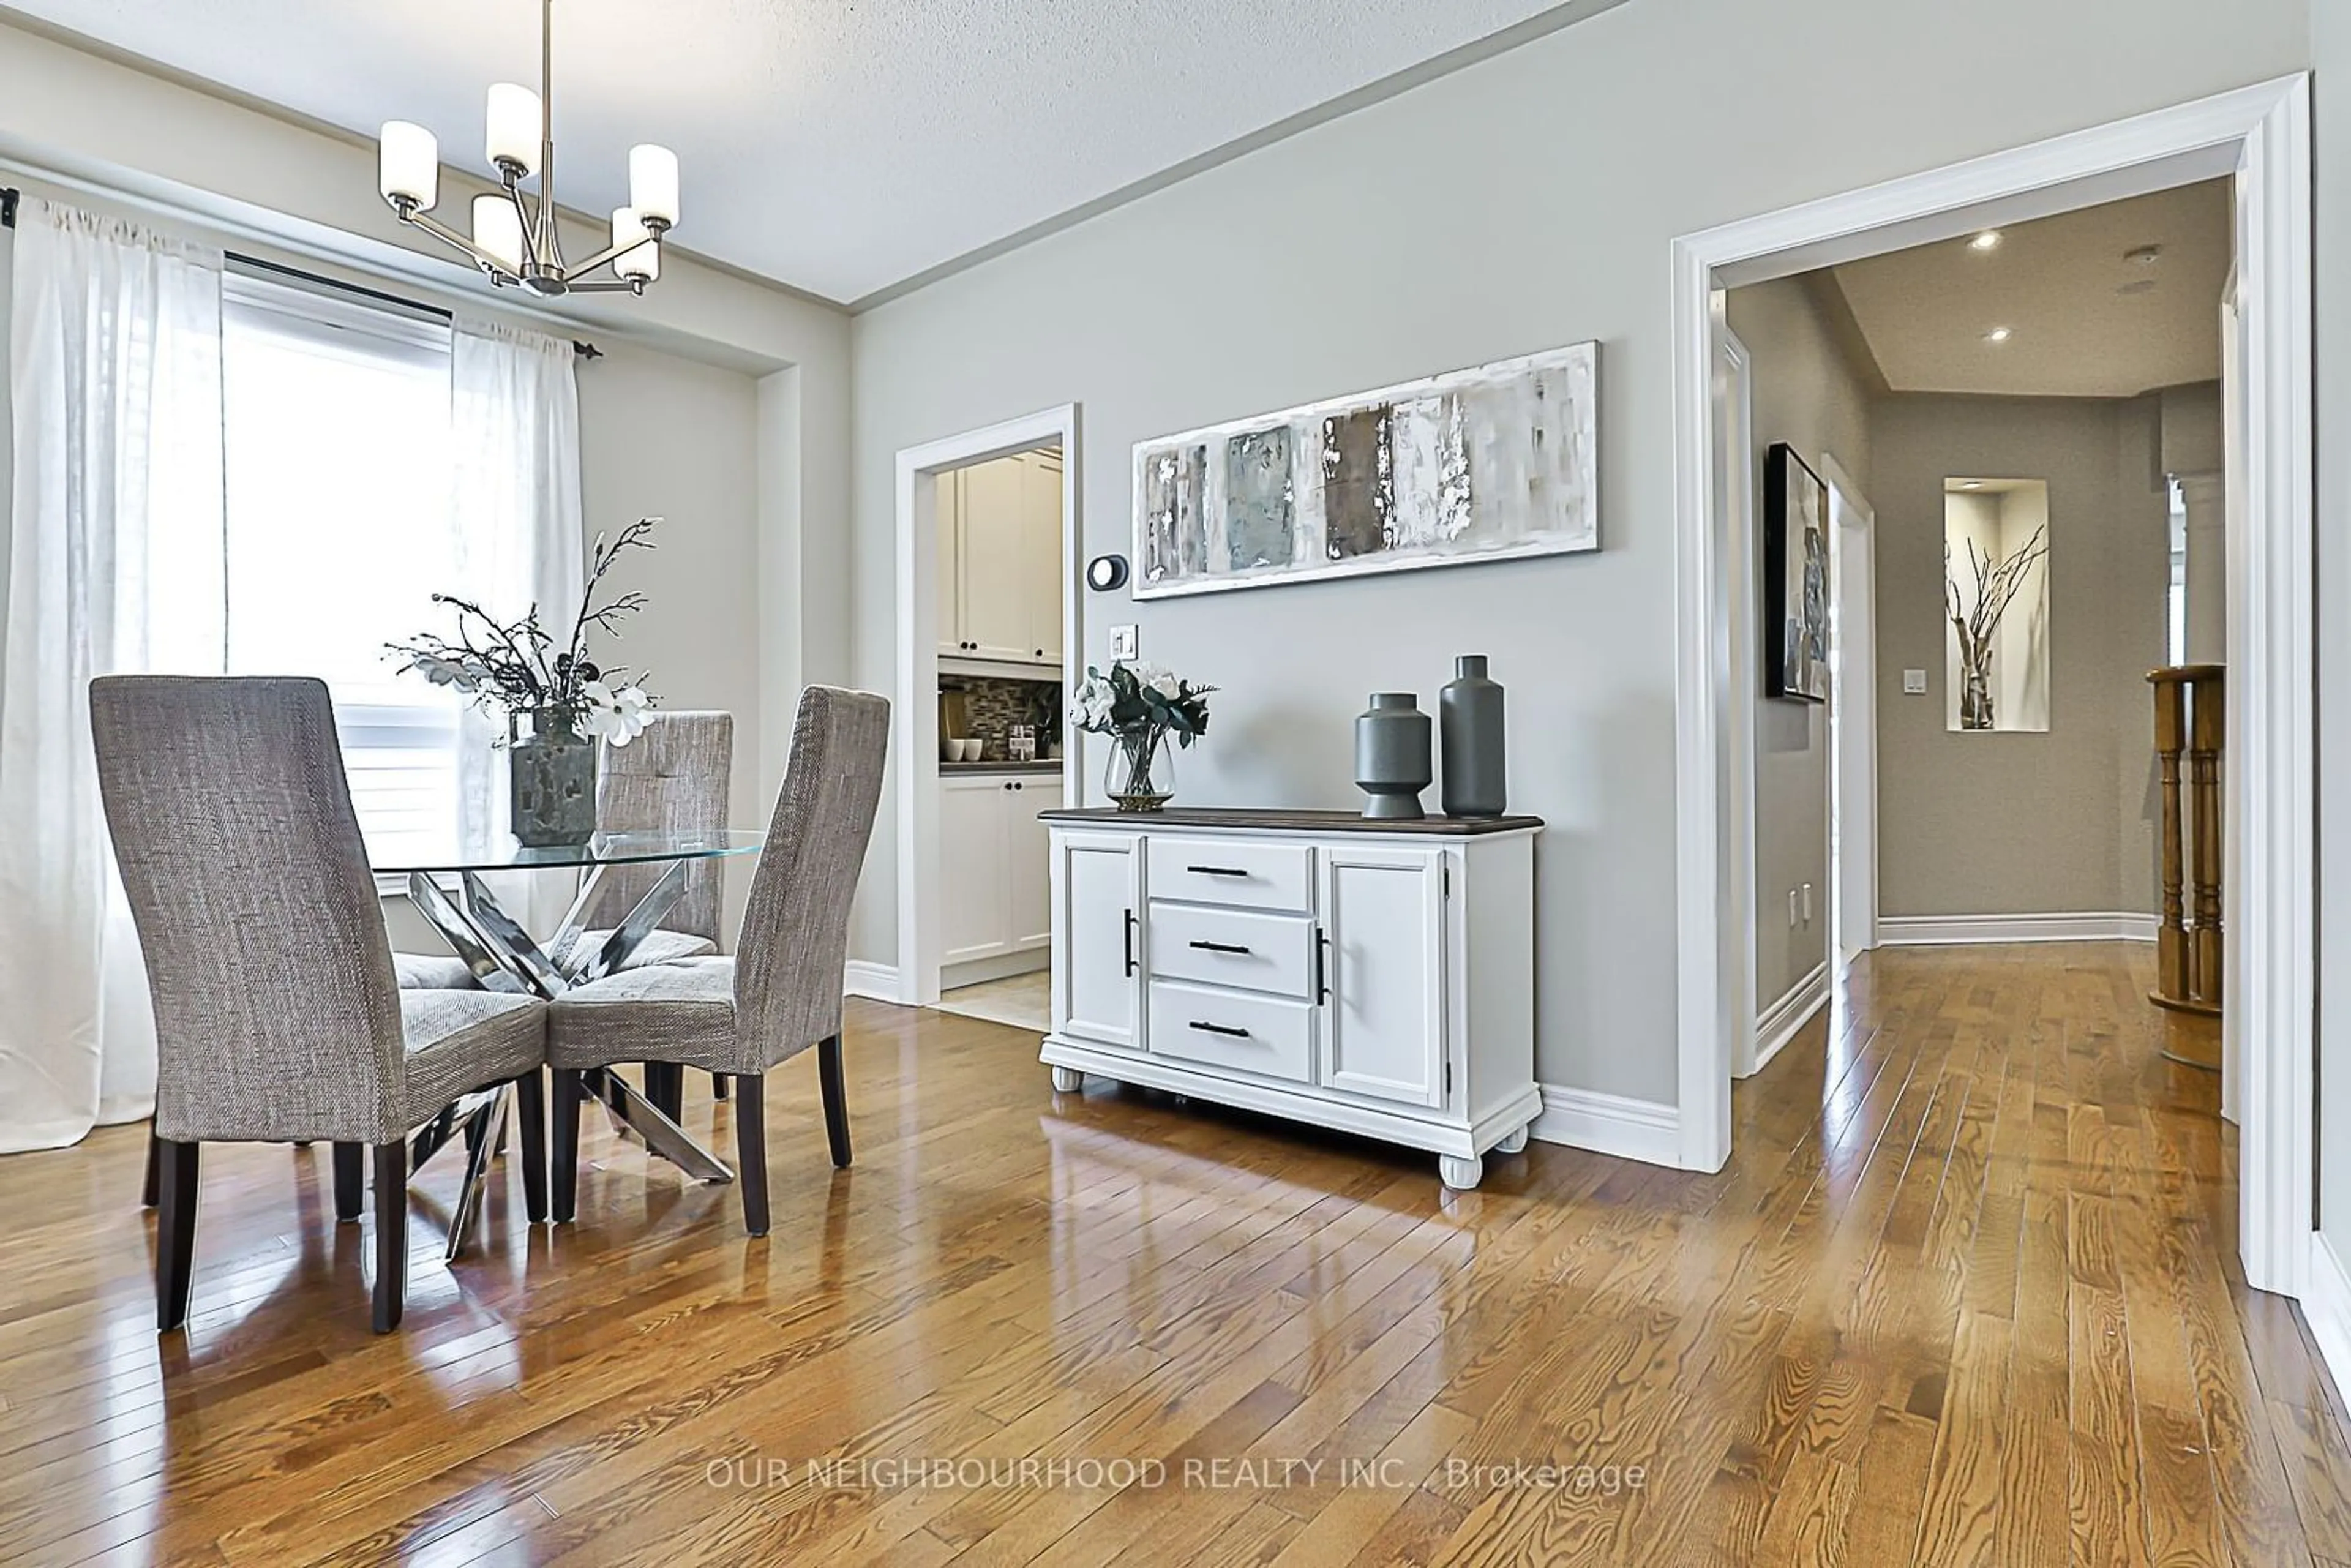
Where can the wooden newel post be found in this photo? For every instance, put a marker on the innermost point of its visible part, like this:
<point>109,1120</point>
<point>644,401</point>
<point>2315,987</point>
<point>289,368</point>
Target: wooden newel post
<point>2190,721</point>
<point>2208,727</point>
<point>2171,931</point>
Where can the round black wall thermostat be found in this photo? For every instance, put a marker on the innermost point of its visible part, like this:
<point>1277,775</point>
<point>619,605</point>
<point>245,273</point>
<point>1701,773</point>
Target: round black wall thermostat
<point>1105,573</point>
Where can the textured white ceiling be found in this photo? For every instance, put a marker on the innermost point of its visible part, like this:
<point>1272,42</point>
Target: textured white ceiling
<point>2084,320</point>
<point>837,145</point>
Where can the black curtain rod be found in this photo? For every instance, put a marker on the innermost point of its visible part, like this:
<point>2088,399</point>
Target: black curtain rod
<point>585,350</point>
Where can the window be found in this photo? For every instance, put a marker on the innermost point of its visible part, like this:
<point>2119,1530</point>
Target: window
<point>340,526</point>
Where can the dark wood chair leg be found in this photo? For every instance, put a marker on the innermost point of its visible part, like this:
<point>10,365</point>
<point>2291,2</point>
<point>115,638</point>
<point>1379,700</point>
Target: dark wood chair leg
<point>175,1234</point>
<point>350,1180</point>
<point>718,1086</point>
<point>836,1098</point>
<point>530,1110</point>
<point>571,1094</point>
<point>751,1149</point>
<point>151,1188</point>
<point>666,1088</point>
<point>390,1233</point>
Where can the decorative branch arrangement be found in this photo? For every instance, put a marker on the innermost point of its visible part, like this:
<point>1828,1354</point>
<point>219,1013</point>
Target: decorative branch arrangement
<point>516,667</point>
<point>1998,581</point>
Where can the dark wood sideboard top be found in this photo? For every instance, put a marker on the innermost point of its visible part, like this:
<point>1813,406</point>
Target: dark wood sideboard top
<point>1294,821</point>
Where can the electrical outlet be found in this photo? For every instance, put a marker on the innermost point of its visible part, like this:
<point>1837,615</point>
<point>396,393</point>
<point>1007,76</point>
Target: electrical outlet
<point>1914,683</point>
<point>1794,920</point>
<point>1125,642</point>
<point>1808,903</point>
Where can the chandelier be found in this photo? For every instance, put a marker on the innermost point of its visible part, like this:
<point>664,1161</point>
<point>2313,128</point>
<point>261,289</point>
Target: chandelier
<point>513,239</point>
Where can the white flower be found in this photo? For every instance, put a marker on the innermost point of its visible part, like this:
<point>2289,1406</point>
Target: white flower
<point>615,717</point>
<point>1166,683</point>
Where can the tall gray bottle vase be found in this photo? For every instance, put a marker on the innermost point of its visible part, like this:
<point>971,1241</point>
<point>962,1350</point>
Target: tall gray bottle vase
<point>1393,764</point>
<point>1469,741</point>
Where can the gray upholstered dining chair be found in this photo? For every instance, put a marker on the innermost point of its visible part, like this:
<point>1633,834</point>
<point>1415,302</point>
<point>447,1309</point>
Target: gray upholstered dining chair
<point>781,992</point>
<point>673,777</point>
<point>278,1018</point>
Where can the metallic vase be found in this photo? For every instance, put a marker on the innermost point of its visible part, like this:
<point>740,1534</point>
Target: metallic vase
<point>1393,762</point>
<point>551,772</point>
<point>1469,741</point>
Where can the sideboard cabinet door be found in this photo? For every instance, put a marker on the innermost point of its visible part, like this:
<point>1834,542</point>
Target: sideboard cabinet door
<point>1097,972</point>
<point>1383,1022</point>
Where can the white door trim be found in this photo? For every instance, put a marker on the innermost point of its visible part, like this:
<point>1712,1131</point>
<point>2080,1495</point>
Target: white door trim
<point>915,722</point>
<point>1852,717</point>
<point>2263,134</point>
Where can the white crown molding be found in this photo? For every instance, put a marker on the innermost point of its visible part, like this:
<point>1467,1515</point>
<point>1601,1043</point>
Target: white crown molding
<point>1953,930</point>
<point>1614,1125</point>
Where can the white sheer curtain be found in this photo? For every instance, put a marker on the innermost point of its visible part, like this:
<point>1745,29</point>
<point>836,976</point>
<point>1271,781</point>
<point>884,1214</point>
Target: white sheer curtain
<point>115,560</point>
<point>515,417</point>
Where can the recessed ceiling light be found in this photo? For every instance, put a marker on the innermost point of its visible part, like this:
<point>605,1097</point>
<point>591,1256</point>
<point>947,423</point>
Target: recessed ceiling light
<point>1997,335</point>
<point>2144,255</point>
<point>1988,240</point>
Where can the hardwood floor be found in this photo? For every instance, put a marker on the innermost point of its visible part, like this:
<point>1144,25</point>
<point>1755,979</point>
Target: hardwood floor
<point>1966,1294</point>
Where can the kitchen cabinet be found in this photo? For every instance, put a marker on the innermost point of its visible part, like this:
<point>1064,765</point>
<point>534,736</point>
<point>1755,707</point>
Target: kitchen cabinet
<point>995,867</point>
<point>1000,561</point>
<point>1374,977</point>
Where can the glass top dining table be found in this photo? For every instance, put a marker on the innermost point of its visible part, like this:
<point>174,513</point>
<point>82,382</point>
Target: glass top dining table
<point>501,952</point>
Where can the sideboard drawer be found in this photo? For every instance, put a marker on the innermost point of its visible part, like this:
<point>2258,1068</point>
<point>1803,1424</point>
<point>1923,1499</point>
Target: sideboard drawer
<point>1233,1028</point>
<point>1233,947</point>
<point>1231,871</point>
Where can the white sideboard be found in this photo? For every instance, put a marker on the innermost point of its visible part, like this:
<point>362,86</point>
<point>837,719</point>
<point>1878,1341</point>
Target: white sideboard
<point>1376,977</point>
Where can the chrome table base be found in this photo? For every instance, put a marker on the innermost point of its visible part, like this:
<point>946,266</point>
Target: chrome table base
<point>502,956</point>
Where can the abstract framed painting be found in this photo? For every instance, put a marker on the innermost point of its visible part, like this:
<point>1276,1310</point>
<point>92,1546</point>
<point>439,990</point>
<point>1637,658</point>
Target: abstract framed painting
<point>1795,578</point>
<point>1495,463</point>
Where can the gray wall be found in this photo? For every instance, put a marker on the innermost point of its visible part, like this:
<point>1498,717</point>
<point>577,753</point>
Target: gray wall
<point>663,436</point>
<point>2330,23</point>
<point>1522,203</point>
<point>1807,394</point>
<point>2011,822</point>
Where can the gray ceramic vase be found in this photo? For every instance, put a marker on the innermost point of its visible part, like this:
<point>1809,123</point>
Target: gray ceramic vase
<point>1393,762</point>
<point>552,771</point>
<point>1469,741</point>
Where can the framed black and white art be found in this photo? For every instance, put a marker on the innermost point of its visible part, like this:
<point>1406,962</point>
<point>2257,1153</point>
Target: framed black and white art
<point>1795,578</point>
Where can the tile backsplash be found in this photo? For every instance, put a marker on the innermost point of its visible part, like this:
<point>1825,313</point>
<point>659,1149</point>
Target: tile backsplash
<point>991,705</point>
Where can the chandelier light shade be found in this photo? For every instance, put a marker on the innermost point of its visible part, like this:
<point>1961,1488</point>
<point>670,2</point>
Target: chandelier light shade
<point>410,167</point>
<point>653,183</point>
<point>516,118</point>
<point>513,239</point>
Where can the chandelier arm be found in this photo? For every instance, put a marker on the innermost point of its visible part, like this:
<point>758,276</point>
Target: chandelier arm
<point>609,286</point>
<point>451,237</point>
<point>610,253</point>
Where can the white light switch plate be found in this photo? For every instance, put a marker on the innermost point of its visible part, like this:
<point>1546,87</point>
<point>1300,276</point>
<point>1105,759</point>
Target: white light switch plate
<point>1125,642</point>
<point>1914,683</point>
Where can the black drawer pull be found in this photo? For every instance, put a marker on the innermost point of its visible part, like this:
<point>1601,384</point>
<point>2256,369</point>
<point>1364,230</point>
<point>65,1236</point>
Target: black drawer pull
<point>1214,871</point>
<point>1219,1029</point>
<point>1220,948</point>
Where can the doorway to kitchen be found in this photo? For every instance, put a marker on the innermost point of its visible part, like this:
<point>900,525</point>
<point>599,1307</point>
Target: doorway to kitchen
<point>988,638</point>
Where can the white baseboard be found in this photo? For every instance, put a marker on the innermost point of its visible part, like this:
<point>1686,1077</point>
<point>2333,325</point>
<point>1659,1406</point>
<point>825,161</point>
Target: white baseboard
<point>1778,1024</point>
<point>878,981</point>
<point>1609,1124</point>
<point>2326,1303</point>
<point>1949,930</point>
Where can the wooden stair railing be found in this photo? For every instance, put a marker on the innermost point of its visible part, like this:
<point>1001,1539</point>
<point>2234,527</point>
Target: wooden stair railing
<point>2190,720</point>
